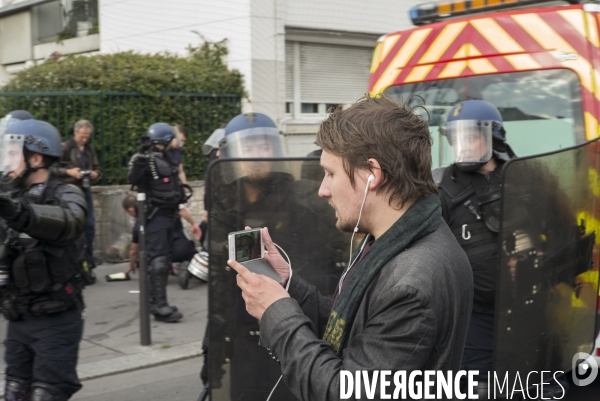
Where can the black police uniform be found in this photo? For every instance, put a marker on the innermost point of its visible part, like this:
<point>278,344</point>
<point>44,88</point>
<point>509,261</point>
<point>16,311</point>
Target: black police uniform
<point>304,226</point>
<point>43,300</point>
<point>461,194</point>
<point>157,176</point>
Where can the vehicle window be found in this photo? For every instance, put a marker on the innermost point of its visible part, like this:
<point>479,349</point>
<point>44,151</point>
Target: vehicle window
<point>541,109</point>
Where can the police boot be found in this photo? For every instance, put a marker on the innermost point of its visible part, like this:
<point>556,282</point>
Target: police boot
<point>159,272</point>
<point>17,389</point>
<point>47,392</point>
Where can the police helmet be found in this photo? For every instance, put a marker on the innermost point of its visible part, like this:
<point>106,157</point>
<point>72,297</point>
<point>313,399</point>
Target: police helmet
<point>251,135</point>
<point>474,130</point>
<point>160,133</point>
<point>20,115</point>
<point>478,110</point>
<point>38,137</point>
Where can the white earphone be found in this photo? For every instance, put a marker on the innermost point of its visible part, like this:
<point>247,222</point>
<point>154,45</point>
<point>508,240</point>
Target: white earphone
<point>370,179</point>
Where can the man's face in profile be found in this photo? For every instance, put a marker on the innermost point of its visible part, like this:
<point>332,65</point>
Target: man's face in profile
<point>337,189</point>
<point>258,147</point>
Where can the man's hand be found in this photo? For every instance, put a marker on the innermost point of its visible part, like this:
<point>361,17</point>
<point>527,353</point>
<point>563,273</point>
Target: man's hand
<point>274,257</point>
<point>259,292</point>
<point>93,175</point>
<point>196,231</point>
<point>74,172</point>
<point>130,269</point>
<point>10,208</point>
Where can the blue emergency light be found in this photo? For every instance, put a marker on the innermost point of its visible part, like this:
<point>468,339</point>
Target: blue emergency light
<point>433,12</point>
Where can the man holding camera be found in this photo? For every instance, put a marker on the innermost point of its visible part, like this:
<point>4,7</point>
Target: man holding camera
<point>81,167</point>
<point>40,288</point>
<point>404,300</point>
<point>154,173</point>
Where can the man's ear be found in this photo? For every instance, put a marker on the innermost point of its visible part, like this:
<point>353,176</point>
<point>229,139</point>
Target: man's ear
<point>36,160</point>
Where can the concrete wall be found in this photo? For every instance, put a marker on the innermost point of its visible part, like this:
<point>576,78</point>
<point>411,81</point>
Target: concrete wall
<point>15,38</point>
<point>113,225</point>
<point>377,16</point>
<point>255,30</point>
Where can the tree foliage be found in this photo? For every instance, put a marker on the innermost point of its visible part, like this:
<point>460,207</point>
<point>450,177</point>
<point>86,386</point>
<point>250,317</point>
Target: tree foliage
<point>161,87</point>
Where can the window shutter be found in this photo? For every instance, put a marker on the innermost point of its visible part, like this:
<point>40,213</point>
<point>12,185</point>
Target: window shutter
<point>332,73</point>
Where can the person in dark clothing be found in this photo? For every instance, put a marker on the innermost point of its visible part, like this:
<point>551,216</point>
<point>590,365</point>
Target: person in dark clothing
<point>183,249</point>
<point>80,167</point>
<point>470,191</point>
<point>474,130</point>
<point>40,285</point>
<point>180,243</point>
<point>153,173</point>
<point>404,300</point>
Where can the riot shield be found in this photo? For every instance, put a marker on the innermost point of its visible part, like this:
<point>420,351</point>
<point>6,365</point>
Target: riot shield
<point>269,193</point>
<point>547,291</point>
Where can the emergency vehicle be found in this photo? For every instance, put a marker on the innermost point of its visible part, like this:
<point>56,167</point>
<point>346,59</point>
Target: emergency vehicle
<point>538,63</point>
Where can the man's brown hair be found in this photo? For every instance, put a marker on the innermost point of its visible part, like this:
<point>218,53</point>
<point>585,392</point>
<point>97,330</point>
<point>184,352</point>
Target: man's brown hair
<point>129,202</point>
<point>385,129</point>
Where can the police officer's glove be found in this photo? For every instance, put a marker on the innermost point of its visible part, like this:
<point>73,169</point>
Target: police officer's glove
<point>14,211</point>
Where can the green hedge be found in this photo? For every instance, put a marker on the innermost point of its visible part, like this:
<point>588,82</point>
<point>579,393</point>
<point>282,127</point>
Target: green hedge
<point>122,94</point>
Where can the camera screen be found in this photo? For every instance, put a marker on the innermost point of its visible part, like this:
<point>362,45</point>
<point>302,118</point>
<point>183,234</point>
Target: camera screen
<point>247,246</point>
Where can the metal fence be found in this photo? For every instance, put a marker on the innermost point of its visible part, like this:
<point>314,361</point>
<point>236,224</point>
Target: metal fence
<point>120,118</point>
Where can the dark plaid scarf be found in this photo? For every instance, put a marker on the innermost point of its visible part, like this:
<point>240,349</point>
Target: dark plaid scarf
<point>422,218</point>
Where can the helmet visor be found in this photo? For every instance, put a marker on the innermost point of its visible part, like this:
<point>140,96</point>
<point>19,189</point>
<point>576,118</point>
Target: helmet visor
<point>11,152</point>
<point>213,140</point>
<point>471,140</point>
<point>253,143</point>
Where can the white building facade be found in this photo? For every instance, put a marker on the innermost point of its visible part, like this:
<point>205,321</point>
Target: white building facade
<point>298,58</point>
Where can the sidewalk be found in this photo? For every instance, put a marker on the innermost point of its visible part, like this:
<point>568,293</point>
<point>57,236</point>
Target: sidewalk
<point>111,338</point>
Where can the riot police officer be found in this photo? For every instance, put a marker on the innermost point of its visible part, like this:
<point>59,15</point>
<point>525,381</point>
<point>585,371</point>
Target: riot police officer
<point>470,194</point>
<point>40,286</point>
<point>154,173</point>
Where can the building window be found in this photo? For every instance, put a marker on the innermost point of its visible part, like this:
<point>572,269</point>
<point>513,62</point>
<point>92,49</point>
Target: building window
<point>60,20</point>
<point>310,108</point>
<point>320,77</point>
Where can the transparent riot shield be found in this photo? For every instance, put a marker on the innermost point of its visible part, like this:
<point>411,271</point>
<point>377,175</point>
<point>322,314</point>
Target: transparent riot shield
<point>266,193</point>
<point>547,292</point>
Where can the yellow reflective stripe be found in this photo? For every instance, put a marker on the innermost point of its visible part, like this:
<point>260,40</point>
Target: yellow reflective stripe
<point>594,183</point>
<point>591,125</point>
<point>453,69</point>
<point>597,80</point>
<point>418,73</point>
<point>523,62</point>
<point>462,52</point>
<point>445,38</point>
<point>375,62</point>
<point>591,224</point>
<point>539,30</point>
<point>575,19</point>
<point>592,29</point>
<point>496,36</point>
<point>481,66</point>
<point>404,55</point>
<point>388,44</point>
